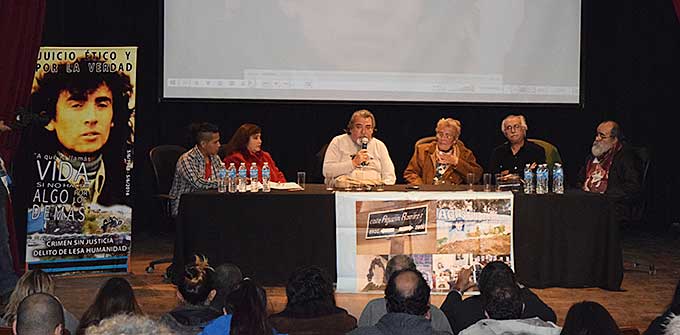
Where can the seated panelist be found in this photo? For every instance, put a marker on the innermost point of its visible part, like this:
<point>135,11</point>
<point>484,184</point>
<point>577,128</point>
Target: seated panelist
<point>445,160</point>
<point>245,146</point>
<point>513,155</point>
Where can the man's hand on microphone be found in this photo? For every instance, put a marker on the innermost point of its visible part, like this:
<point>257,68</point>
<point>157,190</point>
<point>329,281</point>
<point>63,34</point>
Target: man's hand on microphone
<point>360,157</point>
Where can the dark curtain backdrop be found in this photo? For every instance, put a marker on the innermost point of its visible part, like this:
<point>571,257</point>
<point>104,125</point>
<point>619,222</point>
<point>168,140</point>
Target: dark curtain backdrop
<point>21,23</point>
<point>629,73</point>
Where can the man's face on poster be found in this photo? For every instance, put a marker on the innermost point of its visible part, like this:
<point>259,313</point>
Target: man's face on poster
<point>83,121</point>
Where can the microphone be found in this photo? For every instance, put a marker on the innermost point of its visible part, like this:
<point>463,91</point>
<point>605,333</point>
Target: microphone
<point>364,145</point>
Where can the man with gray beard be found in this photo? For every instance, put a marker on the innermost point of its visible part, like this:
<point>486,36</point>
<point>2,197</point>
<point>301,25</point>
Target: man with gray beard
<point>612,168</point>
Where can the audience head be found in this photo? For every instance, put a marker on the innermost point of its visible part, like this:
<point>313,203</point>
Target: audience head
<point>247,304</point>
<point>114,297</point>
<point>493,274</point>
<point>361,124</point>
<point>128,324</point>
<point>514,127</point>
<point>310,289</point>
<point>226,276</point>
<point>408,292</point>
<point>207,137</point>
<point>589,318</point>
<point>196,287</point>
<point>33,281</point>
<point>607,136</point>
<point>447,133</point>
<point>247,138</point>
<point>503,301</point>
<point>399,262</point>
<point>39,314</point>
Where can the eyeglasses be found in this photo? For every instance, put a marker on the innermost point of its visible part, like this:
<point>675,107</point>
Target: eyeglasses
<point>513,127</point>
<point>601,136</point>
<point>443,134</point>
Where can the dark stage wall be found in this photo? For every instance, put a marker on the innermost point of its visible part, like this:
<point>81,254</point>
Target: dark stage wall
<point>630,73</point>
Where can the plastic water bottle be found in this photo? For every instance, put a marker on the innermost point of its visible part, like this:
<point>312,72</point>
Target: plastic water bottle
<point>253,177</point>
<point>528,179</point>
<point>265,177</point>
<point>242,175</point>
<point>221,179</point>
<point>231,174</point>
<point>542,179</point>
<point>558,179</point>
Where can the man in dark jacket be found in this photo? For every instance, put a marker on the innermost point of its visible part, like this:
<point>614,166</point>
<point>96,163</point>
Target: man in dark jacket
<point>464,313</point>
<point>408,307</point>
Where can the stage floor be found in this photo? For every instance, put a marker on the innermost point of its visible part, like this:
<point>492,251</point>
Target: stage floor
<point>644,297</point>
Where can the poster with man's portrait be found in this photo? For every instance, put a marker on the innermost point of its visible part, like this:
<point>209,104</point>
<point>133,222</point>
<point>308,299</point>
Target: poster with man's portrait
<point>77,161</point>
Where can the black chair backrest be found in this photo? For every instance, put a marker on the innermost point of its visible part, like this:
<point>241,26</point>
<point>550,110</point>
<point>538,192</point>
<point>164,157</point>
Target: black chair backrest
<point>163,160</point>
<point>643,156</point>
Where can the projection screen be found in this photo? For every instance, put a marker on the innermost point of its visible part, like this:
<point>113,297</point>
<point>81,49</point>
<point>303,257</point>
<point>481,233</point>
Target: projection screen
<point>498,51</point>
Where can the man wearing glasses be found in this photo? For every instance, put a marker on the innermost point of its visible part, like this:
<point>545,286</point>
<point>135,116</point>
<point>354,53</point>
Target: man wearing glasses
<point>357,158</point>
<point>511,156</point>
<point>612,167</point>
<point>444,161</point>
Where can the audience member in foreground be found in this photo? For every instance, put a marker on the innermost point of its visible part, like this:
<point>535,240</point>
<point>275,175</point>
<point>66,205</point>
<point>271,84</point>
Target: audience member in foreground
<point>39,314</point>
<point>194,292</point>
<point>245,313</point>
<point>503,307</point>
<point>447,160</point>
<point>589,318</point>
<point>311,307</point>
<point>463,313</point>
<point>225,278</point>
<point>128,324</point>
<point>669,322</point>
<point>408,307</point>
<point>33,281</point>
<point>376,308</point>
<point>114,297</point>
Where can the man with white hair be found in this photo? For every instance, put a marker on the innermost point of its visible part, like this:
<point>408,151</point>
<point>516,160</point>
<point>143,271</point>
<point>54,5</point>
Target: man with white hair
<point>511,156</point>
<point>612,168</point>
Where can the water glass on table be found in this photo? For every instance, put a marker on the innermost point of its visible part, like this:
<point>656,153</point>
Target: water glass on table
<point>301,179</point>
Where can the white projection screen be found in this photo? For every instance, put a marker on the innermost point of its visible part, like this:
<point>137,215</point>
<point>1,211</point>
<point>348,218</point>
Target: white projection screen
<point>498,51</point>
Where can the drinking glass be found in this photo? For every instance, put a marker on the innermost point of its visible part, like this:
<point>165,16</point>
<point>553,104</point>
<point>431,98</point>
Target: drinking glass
<point>301,179</point>
<point>487,182</point>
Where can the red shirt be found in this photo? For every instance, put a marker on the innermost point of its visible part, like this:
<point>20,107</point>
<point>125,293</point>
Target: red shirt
<point>260,157</point>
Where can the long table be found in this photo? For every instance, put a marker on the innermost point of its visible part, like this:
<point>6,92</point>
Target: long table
<point>566,240</point>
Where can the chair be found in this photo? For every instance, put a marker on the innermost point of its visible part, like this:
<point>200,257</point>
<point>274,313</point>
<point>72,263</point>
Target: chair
<point>638,209</point>
<point>552,156</point>
<point>424,140</point>
<point>163,160</point>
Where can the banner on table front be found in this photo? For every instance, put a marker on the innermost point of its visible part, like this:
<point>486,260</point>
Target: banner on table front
<point>76,171</point>
<point>443,232</point>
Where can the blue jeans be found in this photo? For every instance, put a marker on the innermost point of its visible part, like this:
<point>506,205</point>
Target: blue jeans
<point>8,278</point>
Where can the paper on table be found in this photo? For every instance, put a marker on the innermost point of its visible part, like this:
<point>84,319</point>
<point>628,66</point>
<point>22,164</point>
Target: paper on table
<point>285,186</point>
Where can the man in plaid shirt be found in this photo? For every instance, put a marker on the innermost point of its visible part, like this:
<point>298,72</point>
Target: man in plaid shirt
<point>197,168</point>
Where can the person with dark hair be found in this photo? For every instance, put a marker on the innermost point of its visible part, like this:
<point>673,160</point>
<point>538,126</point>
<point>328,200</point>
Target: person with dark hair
<point>245,146</point>
<point>669,322</point>
<point>225,278</point>
<point>377,308</point>
<point>114,297</point>
<point>39,314</point>
<point>376,275</point>
<point>503,306</point>
<point>464,313</point>
<point>408,307</point>
<point>589,318</point>
<point>311,307</point>
<point>197,168</point>
<point>87,112</point>
<point>195,293</point>
<point>245,312</point>
<point>511,156</point>
<point>358,158</point>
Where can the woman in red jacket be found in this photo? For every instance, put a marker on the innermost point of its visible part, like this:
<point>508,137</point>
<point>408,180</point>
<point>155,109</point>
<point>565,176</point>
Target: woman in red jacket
<point>245,146</point>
